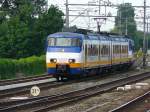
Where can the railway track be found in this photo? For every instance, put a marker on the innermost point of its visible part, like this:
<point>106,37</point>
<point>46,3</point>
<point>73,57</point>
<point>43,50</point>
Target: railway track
<point>131,103</point>
<point>46,103</point>
<point>22,80</point>
<point>26,89</point>
<point>43,86</point>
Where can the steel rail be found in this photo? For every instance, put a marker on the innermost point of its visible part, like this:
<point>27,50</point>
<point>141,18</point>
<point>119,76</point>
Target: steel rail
<point>131,103</point>
<point>42,86</point>
<point>51,102</point>
<point>26,89</point>
<point>24,79</point>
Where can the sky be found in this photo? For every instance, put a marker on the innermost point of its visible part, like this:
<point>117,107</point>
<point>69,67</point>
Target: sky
<point>90,23</point>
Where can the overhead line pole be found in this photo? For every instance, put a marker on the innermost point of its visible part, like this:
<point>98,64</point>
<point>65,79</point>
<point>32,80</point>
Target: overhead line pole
<point>67,14</point>
<point>46,5</point>
<point>144,39</point>
<point>147,33</point>
<point>99,7</point>
<point>120,26</point>
<point>126,32</point>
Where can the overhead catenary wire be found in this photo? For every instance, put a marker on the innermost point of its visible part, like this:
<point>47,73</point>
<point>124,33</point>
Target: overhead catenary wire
<point>75,9</point>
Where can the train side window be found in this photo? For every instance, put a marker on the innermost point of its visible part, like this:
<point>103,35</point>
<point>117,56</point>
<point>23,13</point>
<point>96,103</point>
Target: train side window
<point>102,50</point>
<point>126,49</point>
<point>107,50</point>
<point>122,49</point>
<point>92,50</point>
<point>114,49</point>
<point>118,49</point>
<point>89,49</point>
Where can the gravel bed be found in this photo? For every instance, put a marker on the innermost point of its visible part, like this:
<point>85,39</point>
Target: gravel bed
<point>143,106</point>
<point>82,85</point>
<point>104,102</point>
<point>77,86</point>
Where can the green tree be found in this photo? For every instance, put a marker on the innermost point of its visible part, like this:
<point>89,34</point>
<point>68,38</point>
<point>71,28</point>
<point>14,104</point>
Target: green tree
<point>125,19</point>
<point>139,40</point>
<point>23,33</point>
<point>12,6</point>
<point>49,22</point>
<point>14,40</point>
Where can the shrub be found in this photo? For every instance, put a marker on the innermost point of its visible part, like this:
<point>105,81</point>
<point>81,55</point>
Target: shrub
<point>27,66</point>
<point>7,68</point>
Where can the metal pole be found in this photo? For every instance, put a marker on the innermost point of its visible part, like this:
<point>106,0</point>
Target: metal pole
<point>147,35</point>
<point>46,5</point>
<point>67,14</point>
<point>126,27</point>
<point>98,27</point>
<point>88,15</point>
<point>105,8</point>
<point>144,40</point>
<point>120,29</point>
<point>88,11</point>
<point>99,7</point>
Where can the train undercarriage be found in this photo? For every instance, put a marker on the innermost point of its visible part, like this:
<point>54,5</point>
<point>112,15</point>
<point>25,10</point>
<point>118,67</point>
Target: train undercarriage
<point>63,71</point>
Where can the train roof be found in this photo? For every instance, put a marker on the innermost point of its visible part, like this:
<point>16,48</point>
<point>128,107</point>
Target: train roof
<point>91,36</point>
<point>66,35</point>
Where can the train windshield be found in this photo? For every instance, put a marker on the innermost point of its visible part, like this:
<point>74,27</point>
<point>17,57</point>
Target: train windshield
<point>64,42</point>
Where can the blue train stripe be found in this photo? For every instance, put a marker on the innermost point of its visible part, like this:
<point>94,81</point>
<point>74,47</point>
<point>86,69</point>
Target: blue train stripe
<point>73,71</point>
<point>64,49</point>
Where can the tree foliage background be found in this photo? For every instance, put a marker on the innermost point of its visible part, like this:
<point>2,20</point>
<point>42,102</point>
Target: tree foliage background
<point>125,20</point>
<point>24,26</point>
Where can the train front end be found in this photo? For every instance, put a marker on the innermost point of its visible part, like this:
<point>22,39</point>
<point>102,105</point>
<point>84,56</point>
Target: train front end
<point>64,55</point>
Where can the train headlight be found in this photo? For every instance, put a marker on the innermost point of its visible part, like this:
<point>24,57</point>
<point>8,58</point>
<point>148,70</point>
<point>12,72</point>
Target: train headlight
<point>72,60</point>
<point>53,60</point>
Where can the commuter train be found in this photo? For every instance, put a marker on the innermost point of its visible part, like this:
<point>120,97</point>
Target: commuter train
<point>78,54</point>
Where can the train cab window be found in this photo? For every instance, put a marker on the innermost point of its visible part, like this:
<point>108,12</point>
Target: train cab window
<point>51,41</point>
<point>64,42</point>
<point>76,42</point>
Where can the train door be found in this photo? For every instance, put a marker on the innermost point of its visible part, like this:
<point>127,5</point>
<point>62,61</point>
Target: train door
<point>84,53</point>
<point>111,51</point>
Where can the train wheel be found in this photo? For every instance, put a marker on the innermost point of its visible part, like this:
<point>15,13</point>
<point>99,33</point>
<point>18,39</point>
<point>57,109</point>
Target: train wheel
<point>61,78</point>
<point>58,78</point>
